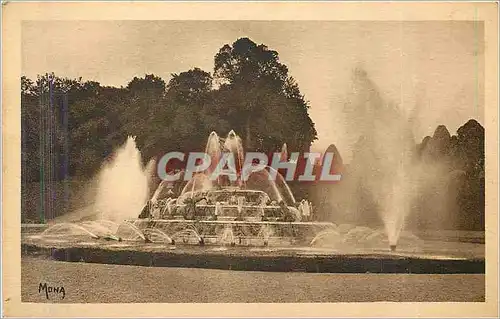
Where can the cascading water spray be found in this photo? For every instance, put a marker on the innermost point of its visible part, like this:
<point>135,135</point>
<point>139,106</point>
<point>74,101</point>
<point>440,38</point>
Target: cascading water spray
<point>234,145</point>
<point>213,150</point>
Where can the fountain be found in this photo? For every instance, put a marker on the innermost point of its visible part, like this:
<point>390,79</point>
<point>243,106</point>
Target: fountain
<point>223,211</point>
<point>252,223</point>
<point>230,207</point>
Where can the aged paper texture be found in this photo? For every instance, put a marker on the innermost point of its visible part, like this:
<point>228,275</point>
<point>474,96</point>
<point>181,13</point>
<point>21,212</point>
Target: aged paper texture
<point>250,159</point>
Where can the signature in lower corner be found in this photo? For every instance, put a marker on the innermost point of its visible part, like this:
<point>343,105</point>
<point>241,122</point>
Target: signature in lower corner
<point>51,291</point>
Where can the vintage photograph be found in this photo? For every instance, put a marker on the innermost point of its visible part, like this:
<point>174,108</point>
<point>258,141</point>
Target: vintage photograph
<point>252,161</point>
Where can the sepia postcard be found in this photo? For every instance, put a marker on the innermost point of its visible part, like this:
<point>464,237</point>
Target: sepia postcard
<point>250,159</point>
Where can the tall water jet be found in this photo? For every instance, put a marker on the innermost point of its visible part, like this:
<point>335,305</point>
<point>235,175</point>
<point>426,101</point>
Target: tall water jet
<point>397,206</point>
<point>234,145</point>
<point>383,145</point>
<point>123,184</point>
<point>213,150</point>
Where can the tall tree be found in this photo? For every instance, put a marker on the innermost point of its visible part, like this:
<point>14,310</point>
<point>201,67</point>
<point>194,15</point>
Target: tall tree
<point>188,98</point>
<point>258,91</point>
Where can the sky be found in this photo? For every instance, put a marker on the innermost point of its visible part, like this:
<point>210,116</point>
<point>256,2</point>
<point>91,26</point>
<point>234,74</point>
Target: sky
<point>437,66</point>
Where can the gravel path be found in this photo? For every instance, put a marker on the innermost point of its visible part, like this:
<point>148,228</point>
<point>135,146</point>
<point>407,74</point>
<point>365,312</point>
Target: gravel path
<point>100,283</point>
